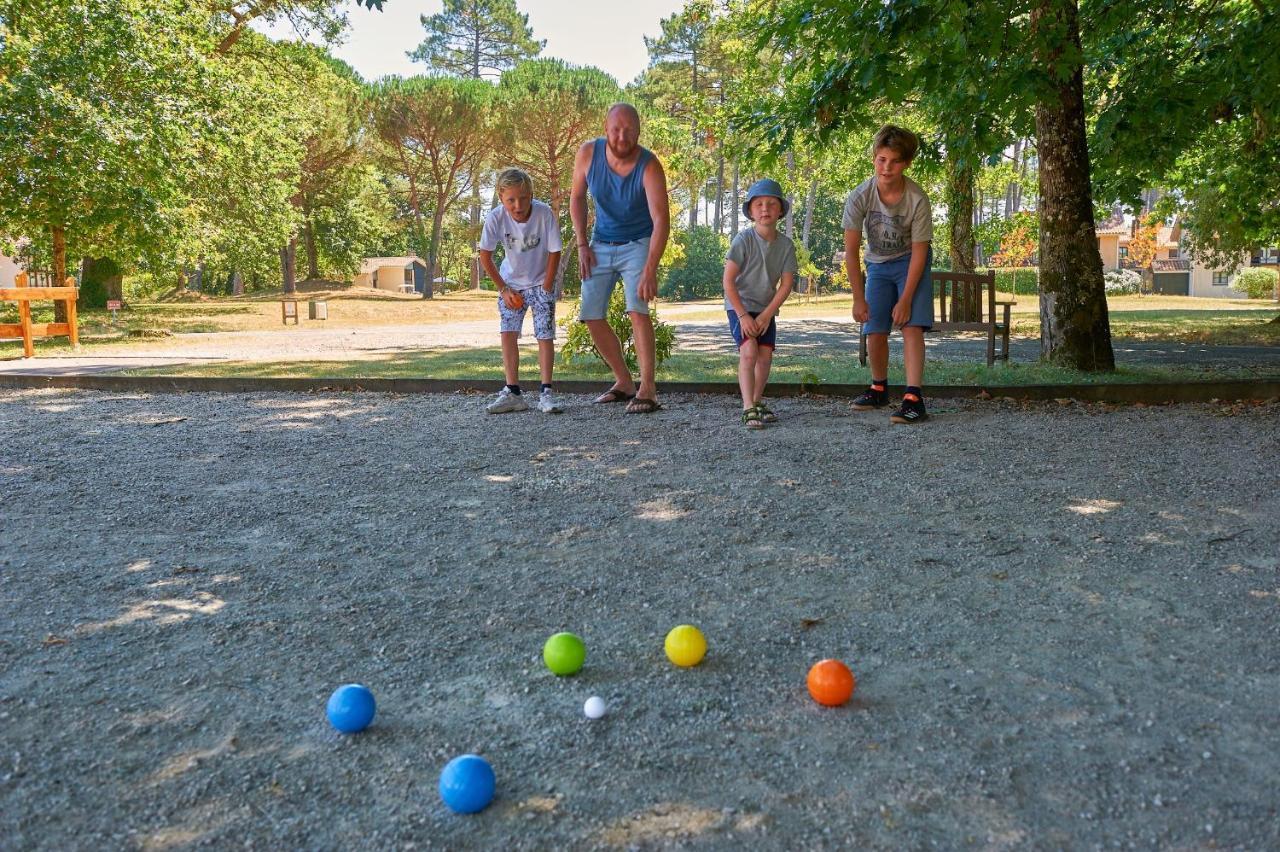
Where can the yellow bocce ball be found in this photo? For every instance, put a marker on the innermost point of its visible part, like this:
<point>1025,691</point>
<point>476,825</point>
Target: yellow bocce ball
<point>685,645</point>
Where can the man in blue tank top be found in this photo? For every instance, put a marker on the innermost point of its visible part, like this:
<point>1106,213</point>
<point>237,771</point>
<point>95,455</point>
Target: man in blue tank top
<point>632,221</point>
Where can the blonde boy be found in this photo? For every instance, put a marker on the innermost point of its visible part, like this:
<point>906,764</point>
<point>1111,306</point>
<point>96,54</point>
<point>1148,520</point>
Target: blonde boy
<point>898,220</point>
<point>530,237</point>
<point>759,272</point>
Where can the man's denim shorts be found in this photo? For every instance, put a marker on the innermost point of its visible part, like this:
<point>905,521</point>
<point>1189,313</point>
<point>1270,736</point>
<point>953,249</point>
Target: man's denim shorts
<point>624,261</point>
<point>885,283</point>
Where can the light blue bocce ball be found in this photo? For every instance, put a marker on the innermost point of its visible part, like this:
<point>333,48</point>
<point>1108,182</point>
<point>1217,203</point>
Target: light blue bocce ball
<point>351,708</point>
<point>467,784</point>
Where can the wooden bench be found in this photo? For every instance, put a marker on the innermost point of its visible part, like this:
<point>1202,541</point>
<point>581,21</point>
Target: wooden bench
<point>970,296</point>
<point>25,328</point>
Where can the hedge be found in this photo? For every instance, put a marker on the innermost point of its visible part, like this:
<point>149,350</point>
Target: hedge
<point>1256,283</point>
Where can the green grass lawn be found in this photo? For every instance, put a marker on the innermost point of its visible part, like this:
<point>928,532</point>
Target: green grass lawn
<point>486,364</point>
<point>1239,322</point>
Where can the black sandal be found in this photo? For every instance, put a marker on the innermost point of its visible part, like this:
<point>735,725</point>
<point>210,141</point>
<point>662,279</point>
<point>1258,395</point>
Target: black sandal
<point>613,395</point>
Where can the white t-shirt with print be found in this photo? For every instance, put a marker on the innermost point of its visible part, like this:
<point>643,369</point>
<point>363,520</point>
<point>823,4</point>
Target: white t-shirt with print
<point>525,244</point>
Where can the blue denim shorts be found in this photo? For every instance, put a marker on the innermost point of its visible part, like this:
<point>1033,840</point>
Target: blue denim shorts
<point>768,338</point>
<point>885,283</point>
<point>613,262</point>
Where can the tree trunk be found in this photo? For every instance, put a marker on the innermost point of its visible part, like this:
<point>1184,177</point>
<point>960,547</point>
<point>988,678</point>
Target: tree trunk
<point>960,223</point>
<point>693,206</point>
<point>1074,327</point>
<point>237,284</point>
<point>59,235</point>
<point>960,214</point>
<point>736,207</point>
<point>1012,190</point>
<point>288,256</point>
<point>810,200</point>
<point>719,220</point>
<point>433,252</point>
<point>791,206</point>
<point>475,245</point>
<point>309,242</point>
<point>416,205</point>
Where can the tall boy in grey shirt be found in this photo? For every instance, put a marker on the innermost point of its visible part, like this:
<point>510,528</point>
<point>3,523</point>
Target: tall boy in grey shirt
<point>895,213</point>
<point>759,272</point>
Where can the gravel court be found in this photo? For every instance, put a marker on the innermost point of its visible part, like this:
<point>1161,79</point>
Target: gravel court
<point>1065,640</point>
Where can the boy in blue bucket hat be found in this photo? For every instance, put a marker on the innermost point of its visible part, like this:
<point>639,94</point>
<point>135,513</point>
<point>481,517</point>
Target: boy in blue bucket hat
<point>759,272</point>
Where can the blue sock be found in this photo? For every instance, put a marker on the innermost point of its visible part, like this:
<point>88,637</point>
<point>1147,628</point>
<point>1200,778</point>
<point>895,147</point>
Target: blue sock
<point>515,389</point>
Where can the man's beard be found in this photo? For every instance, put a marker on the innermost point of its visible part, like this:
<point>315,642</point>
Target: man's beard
<point>623,154</point>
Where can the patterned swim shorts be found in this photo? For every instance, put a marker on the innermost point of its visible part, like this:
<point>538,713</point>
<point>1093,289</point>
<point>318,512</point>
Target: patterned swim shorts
<point>544,314</point>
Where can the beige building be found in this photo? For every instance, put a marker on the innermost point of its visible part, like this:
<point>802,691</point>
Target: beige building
<point>8,269</point>
<point>1173,271</point>
<point>395,275</point>
<point>1111,234</point>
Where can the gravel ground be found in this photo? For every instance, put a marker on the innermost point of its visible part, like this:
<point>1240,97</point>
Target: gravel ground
<point>1063,618</point>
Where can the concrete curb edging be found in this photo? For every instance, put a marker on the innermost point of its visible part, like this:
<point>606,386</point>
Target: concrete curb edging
<point>1150,394</point>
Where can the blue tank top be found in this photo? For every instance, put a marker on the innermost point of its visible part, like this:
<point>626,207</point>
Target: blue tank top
<point>622,210</point>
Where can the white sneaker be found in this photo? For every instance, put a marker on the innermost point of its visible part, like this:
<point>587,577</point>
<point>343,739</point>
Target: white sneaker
<point>547,403</point>
<point>507,401</point>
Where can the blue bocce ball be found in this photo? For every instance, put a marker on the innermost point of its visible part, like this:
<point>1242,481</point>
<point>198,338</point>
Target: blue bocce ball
<point>467,784</point>
<point>351,708</point>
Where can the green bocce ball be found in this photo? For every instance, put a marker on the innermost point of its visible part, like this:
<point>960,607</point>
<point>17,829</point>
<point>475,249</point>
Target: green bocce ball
<point>564,654</point>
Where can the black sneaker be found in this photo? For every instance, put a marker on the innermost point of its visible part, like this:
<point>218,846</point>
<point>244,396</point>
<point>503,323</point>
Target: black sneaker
<point>911,411</point>
<point>870,398</point>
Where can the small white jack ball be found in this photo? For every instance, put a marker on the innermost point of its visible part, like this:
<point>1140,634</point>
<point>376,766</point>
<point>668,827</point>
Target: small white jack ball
<point>595,707</point>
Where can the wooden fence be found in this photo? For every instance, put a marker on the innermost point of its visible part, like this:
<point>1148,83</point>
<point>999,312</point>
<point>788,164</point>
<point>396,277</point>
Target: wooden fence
<point>28,330</point>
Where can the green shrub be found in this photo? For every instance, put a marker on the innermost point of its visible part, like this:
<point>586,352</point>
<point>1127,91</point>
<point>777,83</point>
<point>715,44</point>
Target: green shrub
<point>578,343</point>
<point>1022,280</point>
<point>93,294</point>
<point>145,285</point>
<point>1256,283</point>
<point>700,275</point>
<point>94,285</point>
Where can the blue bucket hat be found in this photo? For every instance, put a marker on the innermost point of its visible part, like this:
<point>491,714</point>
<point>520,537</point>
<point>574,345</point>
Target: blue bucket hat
<point>765,186</point>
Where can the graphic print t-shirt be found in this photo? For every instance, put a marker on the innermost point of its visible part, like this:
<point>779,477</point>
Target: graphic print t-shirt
<point>525,244</point>
<point>889,231</point>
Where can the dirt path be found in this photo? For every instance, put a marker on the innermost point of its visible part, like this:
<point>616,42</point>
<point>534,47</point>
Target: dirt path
<point>1063,619</point>
<point>830,335</point>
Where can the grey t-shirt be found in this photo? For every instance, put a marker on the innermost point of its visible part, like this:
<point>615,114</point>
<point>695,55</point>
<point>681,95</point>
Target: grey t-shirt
<point>890,231</point>
<point>760,267</point>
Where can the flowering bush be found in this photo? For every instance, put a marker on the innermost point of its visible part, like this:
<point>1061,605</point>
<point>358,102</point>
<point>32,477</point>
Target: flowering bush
<point>1121,282</point>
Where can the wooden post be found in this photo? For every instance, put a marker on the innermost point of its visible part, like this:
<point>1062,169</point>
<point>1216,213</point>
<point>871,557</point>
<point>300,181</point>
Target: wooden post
<point>72,330</point>
<point>24,317</point>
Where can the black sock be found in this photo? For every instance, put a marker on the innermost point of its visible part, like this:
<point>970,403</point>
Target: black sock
<point>915,390</point>
<point>546,386</point>
<point>515,389</point>
<point>881,385</point>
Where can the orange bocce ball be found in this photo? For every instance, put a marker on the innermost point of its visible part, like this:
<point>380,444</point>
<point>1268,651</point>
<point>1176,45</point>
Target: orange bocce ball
<point>831,683</point>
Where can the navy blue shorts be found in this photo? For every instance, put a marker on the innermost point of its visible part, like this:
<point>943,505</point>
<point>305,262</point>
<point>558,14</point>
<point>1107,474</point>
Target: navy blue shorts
<point>768,338</point>
<point>885,283</point>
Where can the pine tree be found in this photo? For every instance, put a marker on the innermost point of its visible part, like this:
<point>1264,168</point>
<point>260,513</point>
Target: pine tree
<point>477,38</point>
